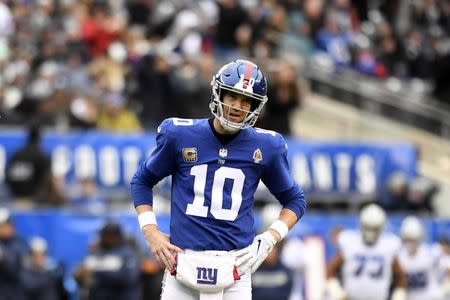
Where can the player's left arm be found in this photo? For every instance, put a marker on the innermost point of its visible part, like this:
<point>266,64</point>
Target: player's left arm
<point>289,218</point>
<point>251,257</point>
<point>278,179</point>
<point>400,281</point>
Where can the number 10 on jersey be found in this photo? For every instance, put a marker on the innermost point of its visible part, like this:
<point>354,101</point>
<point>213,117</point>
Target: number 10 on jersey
<point>198,208</point>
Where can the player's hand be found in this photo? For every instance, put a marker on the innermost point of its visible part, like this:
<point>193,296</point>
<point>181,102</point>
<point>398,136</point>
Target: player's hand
<point>335,290</point>
<point>251,257</point>
<point>161,248</point>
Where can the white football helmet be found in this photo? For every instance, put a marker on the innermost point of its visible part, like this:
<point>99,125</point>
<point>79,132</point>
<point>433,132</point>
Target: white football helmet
<point>412,233</point>
<point>372,220</point>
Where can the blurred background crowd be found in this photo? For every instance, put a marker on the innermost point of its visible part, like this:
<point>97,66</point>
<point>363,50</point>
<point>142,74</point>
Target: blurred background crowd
<point>126,65</point>
<point>122,66</point>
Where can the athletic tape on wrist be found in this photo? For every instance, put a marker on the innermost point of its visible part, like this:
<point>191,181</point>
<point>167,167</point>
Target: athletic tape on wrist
<point>280,227</point>
<point>147,218</point>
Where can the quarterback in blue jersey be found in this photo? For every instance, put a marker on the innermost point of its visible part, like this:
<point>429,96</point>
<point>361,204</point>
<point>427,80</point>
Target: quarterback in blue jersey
<point>216,165</point>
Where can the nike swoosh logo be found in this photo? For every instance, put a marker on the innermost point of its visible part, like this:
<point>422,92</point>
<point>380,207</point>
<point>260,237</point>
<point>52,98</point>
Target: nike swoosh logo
<point>259,244</point>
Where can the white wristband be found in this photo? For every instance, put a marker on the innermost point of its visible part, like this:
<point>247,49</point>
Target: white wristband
<point>146,218</point>
<point>280,227</point>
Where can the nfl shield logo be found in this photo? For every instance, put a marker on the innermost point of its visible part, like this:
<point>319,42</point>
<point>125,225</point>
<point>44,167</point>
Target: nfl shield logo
<point>223,152</point>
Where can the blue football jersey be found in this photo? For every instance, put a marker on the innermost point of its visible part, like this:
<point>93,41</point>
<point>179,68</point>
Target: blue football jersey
<point>213,184</point>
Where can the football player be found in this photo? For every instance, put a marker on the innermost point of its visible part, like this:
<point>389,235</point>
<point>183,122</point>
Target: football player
<point>367,260</point>
<point>419,262</point>
<point>216,165</point>
<point>444,267</point>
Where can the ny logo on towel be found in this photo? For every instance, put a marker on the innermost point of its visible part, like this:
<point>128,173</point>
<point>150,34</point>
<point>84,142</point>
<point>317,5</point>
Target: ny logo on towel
<point>206,275</point>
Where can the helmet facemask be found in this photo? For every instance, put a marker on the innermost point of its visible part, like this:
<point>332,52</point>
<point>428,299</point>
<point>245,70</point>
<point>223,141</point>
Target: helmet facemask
<point>217,108</point>
<point>370,234</point>
<point>412,234</point>
<point>372,220</point>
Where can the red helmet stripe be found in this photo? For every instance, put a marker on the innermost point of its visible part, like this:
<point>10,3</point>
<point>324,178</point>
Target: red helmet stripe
<point>248,73</point>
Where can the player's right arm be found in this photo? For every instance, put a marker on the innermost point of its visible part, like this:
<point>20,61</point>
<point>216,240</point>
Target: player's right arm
<point>334,287</point>
<point>157,241</point>
<point>400,281</point>
<point>160,164</point>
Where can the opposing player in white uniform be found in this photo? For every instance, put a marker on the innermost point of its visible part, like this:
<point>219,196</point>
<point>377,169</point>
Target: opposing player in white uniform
<point>419,261</point>
<point>444,270</point>
<point>216,165</point>
<point>367,262</point>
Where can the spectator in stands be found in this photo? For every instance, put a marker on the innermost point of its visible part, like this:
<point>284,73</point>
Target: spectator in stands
<point>12,251</point>
<point>314,14</point>
<point>28,174</point>
<point>365,61</point>
<point>139,12</point>
<point>420,195</point>
<point>273,280</point>
<point>88,199</point>
<point>153,89</point>
<point>115,116</point>
<point>42,276</point>
<point>186,84</point>
<point>419,54</point>
<point>389,49</point>
<point>334,41</point>
<point>405,195</point>
<point>285,96</point>
<point>296,40</point>
<point>232,19</point>
<point>111,270</point>
<point>396,194</point>
<point>111,70</point>
<point>83,112</point>
<point>101,28</point>
<point>442,74</point>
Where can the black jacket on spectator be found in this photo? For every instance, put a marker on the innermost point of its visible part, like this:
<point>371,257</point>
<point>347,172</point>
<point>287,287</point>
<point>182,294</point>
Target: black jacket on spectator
<point>272,282</point>
<point>43,283</point>
<point>277,111</point>
<point>230,18</point>
<point>26,170</point>
<point>11,255</point>
<point>120,283</point>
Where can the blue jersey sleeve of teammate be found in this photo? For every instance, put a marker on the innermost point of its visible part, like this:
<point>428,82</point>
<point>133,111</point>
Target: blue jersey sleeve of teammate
<point>278,179</point>
<point>159,165</point>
